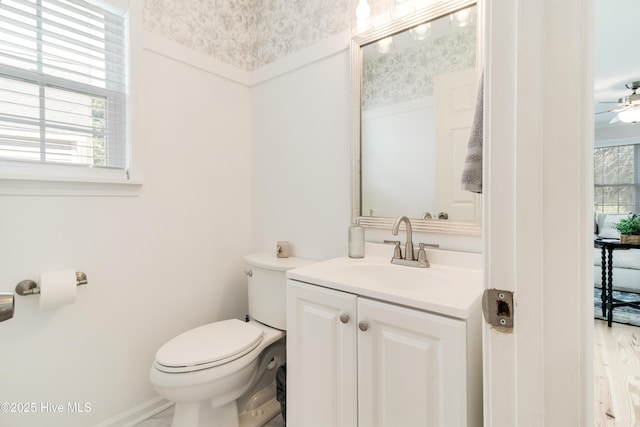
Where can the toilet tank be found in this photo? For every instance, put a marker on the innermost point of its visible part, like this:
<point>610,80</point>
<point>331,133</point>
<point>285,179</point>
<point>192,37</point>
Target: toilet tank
<point>268,287</point>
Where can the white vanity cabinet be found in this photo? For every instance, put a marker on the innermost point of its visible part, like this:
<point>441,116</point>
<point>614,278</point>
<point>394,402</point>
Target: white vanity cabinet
<point>322,365</point>
<point>355,361</point>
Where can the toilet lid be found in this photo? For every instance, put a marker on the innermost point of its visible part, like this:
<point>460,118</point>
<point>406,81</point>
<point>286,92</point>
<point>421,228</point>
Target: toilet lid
<point>208,346</point>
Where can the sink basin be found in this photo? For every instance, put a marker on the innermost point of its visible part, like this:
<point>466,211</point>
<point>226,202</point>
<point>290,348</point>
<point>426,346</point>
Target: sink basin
<point>452,290</point>
<point>387,275</point>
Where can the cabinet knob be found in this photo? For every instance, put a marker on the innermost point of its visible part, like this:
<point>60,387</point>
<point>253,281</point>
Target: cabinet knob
<point>344,317</point>
<point>363,326</point>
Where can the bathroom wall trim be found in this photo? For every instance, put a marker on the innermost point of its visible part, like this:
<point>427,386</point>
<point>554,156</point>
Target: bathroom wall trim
<point>138,413</point>
<point>301,58</point>
<point>187,56</point>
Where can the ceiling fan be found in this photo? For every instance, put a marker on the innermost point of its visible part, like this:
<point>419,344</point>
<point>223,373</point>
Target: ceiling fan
<point>629,111</point>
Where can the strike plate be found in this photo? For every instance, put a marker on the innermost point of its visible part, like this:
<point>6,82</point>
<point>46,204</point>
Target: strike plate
<point>497,307</point>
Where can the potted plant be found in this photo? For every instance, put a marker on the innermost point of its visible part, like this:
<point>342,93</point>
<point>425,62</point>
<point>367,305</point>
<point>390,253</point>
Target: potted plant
<point>629,229</point>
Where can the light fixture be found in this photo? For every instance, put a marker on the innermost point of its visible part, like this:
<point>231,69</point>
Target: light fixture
<point>363,17</point>
<point>402,8</point>
<point>630,110</point>
<point>461,18</point>
<point>632,115</point>
<point>385,45</point>
<point>634,98</point>
<point>421,32</point>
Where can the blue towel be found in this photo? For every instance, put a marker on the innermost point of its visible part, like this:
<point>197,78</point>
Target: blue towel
<point>472,171</point>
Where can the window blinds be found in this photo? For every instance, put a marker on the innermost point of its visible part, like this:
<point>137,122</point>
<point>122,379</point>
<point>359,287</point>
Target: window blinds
<point>63,83</point>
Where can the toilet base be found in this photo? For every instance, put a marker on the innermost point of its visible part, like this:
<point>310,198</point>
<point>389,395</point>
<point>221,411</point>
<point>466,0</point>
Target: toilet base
<point>198,415</point>
<point>256,405</point>
<point>260,416</point>
<point>194,414</point>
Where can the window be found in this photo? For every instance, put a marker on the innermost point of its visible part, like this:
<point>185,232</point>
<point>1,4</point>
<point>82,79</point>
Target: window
<point>616,179</point>
<point>63,85</point>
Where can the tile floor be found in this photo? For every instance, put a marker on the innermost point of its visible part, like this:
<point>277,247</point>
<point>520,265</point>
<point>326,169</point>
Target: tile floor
<point>163,419</point>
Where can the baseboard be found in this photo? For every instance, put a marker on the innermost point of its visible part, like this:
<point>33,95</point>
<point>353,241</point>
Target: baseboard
<point>138,413</point>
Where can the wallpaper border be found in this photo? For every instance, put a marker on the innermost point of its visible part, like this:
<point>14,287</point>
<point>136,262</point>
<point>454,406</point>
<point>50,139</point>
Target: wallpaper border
<point>301,58</point>
<point>296,60</point>
<point>181,53</point>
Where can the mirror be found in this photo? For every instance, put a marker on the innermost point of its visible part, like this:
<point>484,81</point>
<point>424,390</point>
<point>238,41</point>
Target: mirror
<point>414,88</point>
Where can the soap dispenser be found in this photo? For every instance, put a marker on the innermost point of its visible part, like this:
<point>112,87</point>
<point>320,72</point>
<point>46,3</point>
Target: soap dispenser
<point>356,239</point>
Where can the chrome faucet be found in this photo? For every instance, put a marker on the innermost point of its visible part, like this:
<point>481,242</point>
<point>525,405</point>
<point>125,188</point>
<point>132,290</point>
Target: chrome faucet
<point>408,247</point>
<point>408,259</point>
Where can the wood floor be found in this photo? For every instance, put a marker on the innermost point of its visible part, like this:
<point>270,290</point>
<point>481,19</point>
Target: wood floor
<point>617,375</point>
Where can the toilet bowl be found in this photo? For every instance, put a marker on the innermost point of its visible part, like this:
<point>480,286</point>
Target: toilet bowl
<point>223,373</point>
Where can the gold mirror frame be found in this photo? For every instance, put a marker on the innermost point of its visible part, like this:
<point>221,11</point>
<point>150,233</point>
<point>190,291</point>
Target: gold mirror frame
<point>427,14</point>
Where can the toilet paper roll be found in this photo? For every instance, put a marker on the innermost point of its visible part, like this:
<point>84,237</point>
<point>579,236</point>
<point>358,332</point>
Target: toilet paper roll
<point>57,288</point>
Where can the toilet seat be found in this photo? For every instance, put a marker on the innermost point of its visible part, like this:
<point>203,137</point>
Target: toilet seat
<point>208,346</point>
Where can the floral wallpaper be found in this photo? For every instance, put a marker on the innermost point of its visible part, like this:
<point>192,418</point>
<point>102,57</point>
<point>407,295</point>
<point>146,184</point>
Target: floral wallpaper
<point>249,33</point>
<point>385,77</point>
<point>252,33</point>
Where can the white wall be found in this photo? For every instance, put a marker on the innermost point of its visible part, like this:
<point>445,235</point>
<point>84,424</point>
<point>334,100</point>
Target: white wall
<point>300,159</point>
<point>157,264</point>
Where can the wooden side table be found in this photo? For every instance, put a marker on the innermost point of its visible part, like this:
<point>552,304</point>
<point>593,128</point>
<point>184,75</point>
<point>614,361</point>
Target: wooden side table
<point>608,301</point>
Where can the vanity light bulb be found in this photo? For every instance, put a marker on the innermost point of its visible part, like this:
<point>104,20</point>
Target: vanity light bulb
<point>363,22</point>
<point>385,45</point>
<point>402,8</point>
<point>421,32</point>
<point>363,10</point>
<point>460,18</point>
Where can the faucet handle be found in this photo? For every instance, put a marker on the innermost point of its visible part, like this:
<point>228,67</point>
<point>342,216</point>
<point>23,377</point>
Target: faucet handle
<point>397,252</point>
<point>422,256</point>
<point>431,245</point>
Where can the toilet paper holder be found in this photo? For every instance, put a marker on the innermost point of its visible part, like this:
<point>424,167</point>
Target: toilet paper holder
<point>29,287</point>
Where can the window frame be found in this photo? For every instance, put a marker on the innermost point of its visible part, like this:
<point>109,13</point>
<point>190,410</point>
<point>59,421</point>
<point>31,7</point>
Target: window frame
<point>635,185</point>
<point>18,177</point>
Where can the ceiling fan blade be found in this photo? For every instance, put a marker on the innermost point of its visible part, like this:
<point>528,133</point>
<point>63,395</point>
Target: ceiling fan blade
<point>617,110</point>
<point>623,108</point>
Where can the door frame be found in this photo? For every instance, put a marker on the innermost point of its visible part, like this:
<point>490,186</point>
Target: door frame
<point>538,212</point>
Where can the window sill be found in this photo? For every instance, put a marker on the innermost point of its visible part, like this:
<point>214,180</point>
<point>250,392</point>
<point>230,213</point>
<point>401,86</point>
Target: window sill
<point>66,181</point>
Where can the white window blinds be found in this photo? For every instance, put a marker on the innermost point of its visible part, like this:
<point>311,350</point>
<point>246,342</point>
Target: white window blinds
<point>616,172</point>
<point>63,83</point>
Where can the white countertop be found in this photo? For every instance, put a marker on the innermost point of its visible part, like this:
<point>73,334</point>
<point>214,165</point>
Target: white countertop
<point>452,286</point>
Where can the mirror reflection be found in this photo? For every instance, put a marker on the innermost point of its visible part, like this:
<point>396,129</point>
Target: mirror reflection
<point>418,94</point>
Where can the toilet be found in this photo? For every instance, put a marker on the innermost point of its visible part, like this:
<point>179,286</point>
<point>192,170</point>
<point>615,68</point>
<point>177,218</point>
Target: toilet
<point>223,374</point>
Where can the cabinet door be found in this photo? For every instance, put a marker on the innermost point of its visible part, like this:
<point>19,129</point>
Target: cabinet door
<point>411,368</point>
<point>321,357</point>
